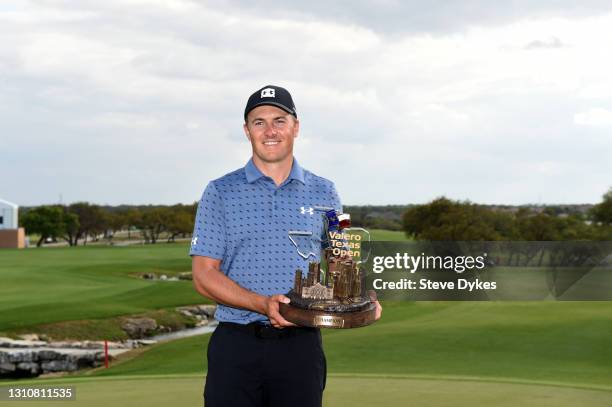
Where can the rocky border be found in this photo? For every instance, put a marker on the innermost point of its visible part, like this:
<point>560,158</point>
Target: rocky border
<point>32,356</point>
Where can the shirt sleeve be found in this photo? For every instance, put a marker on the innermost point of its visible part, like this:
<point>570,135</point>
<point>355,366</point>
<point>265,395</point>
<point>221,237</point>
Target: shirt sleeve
<point>209,229</point>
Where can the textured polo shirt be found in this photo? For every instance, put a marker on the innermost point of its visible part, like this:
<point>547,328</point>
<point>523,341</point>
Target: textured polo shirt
<point>243,219</point>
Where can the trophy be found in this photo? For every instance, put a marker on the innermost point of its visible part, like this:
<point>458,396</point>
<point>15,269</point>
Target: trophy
<point>332,292</point>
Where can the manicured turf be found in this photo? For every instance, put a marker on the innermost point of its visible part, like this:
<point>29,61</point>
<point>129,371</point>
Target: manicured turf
<point>340,391</point>
<point>72,283</point>
<point>387,235</point>
<point>558,342</point>
<point>46,285</point>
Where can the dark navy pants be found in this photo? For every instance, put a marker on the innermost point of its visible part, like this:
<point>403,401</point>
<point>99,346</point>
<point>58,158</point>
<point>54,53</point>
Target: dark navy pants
<point>255,366</point>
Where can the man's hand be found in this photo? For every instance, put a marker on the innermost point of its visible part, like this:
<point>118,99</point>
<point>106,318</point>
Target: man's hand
<point>272,312</point>
<point>374,299</point>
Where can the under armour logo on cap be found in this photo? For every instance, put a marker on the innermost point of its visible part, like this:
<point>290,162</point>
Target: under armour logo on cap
<point>268,93</point>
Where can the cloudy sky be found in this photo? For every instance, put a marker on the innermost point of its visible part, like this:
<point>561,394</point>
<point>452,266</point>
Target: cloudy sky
<point>141,101</point>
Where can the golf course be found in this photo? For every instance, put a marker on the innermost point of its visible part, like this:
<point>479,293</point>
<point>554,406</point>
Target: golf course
<point>418,354</point>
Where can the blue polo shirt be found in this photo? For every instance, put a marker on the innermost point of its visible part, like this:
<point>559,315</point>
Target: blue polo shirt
<point>243,219</point>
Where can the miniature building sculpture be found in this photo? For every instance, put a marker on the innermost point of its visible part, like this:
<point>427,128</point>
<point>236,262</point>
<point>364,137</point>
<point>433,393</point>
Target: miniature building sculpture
<point>332,293</point>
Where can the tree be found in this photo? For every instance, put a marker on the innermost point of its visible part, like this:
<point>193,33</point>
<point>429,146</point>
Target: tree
<point>602,212</point>
<point>116,221</point>
<point>152,222</point>
<point>92,220</point>
<point>179,221</point>
<point>539,227</point>
<point>71,227</point>
<point>444,220</point>
<point>46,221</point>
<point>132,220</point>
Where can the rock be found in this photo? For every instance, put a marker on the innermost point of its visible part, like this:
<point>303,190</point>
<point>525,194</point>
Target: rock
<point>33,362</point>
<point>208,310</point>
<point>48,355</point>
<point>94,345</point>
<point>148,276</point>
<point>62,344</point>
<point>23,356</point>
<point>29,337</point>
<point>30,367</point>
<point>111,345</point>
<point>147,342</point>
<point>132,344</point>
<point>58,366</point>
<point>20,343</point>
<point>7,368</point>
<point>86,359</point>
<point>139,327</point>
<point>186,312</point>
<point>85,345</point>
<point>185,276</point>
<point>163,277</point>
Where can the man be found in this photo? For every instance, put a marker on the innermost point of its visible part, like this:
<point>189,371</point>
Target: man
<point>243,259</point>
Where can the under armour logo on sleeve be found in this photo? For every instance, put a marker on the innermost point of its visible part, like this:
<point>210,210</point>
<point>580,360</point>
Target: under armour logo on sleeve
<point>194,241</point>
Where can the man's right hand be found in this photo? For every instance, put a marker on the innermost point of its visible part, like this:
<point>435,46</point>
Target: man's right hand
<point>271,306</point>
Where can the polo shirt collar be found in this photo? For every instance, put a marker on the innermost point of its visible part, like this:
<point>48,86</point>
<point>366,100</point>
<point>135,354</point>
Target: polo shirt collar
<point>253,173</point>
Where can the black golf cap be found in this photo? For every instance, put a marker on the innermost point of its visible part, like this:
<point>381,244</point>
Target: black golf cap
<point>273,96</point>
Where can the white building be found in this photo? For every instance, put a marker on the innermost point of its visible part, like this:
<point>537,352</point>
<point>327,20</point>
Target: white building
<point>8,215</point>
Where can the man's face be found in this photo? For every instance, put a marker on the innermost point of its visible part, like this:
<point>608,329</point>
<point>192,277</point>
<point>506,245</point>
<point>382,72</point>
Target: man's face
<point>271,132</point>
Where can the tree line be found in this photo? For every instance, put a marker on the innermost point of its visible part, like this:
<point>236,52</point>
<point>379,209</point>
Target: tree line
<point>83,221</point>
<point>440,220</point>
<point>444,219</point>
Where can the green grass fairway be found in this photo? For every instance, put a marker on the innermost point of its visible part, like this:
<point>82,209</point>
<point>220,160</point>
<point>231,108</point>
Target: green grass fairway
<point>47,285</point>
<point>72,283</point>
<point>382,235</point>
<point>166,391</point>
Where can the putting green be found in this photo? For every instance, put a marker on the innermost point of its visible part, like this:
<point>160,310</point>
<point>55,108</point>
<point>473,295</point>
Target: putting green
<point>342,390</point>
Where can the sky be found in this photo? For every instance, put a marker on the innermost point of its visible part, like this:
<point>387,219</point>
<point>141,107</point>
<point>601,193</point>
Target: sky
<point>141,102</point>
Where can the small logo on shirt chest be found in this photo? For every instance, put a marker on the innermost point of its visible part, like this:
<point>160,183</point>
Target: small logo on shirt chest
<point>304,211</point>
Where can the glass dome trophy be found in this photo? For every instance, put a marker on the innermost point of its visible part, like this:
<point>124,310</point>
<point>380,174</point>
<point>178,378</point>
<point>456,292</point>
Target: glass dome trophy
<point>331,294</point>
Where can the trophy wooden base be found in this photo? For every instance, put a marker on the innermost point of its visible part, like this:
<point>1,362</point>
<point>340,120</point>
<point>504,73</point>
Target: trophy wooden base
<point>322,319</point>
